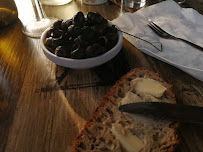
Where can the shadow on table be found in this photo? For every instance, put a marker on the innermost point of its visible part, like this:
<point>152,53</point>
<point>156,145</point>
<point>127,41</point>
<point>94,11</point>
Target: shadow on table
<point>104,75</point>
<point>83,89</point>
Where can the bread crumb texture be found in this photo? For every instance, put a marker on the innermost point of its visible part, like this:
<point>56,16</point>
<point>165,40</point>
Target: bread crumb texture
<point>109,130</point>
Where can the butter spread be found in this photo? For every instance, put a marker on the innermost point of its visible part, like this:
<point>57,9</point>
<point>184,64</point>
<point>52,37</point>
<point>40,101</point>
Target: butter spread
<point>145,89</point>
<point>130,97</point>
<point>128,141</point>
<point>148,86</point>
<point>148,97</point>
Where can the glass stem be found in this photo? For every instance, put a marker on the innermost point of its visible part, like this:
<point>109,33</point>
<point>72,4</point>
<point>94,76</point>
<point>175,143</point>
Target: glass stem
<point>39,14</point>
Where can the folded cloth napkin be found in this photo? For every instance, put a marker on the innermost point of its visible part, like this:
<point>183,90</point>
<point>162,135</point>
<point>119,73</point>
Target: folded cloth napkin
<point>185,23</point>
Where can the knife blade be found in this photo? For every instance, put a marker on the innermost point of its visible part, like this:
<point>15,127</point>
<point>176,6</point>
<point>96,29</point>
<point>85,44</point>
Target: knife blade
<point>161,110</point>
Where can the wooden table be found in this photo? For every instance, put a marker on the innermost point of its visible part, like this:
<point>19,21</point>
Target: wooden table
<point>44,106</point>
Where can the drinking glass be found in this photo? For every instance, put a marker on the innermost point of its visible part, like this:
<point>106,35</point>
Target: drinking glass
<point>35,28</point>
<point>132,4</point>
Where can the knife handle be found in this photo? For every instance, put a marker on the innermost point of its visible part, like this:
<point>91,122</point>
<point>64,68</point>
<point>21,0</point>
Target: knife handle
<point>194,45</point>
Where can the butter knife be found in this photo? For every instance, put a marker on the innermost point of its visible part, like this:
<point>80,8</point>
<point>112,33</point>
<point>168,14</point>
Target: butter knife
<point>174,112</point>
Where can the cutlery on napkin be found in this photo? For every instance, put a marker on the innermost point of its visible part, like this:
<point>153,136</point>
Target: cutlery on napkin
<point>185,23</point>
<point>159,31</point>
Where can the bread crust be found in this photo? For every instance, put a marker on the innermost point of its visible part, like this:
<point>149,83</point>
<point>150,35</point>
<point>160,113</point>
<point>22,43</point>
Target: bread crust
<point>137,72</point>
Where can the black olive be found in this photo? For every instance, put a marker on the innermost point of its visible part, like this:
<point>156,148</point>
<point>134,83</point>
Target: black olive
<point>57,24</point>
<point>77,52</point>
<point>79,19</point>
<point>95,18</point>
<point>54,43</point>
<point>104,22</point>
<point>90,17</point>
<point>51,43</point>
<point>81,41</point>
<point>57,33</point>
<point>61,51</point>
<point>106,30</point>
<point>60,41</point>
<point>67,35</point>
<point>112,39</point>
<point>65,24</point>
<point>95,50</point>
<point>76,31</point>
<point>70,31</point>
<point>71,40</point>
<point>98,29</point>
<point>88,33</point>
<point>49,33</point>
<point>102,41</point>
<point>64,36</point>
<point>48,44</point>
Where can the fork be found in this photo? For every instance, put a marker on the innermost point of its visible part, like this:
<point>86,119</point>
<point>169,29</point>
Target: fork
<point>166,35</point>
<point>151,43</point>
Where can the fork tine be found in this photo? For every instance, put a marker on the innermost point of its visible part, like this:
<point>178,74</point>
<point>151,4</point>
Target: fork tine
<point>155,29</point>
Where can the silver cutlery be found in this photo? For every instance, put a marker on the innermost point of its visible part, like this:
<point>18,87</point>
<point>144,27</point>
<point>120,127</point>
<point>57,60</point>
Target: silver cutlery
<point>161,110</point>
<point>151,43</point>
<point>159,31</point>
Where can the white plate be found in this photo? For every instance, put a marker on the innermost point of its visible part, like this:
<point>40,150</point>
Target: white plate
<point>82,63</point>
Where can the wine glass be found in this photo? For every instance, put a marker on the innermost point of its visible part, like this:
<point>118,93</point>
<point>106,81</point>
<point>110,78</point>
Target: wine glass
<point>35,28</point>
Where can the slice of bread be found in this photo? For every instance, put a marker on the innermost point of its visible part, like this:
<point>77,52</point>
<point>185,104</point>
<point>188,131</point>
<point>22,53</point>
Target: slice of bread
<point>145,134</point>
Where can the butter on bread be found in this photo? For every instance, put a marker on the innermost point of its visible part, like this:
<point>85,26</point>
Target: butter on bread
<point>110,130</point>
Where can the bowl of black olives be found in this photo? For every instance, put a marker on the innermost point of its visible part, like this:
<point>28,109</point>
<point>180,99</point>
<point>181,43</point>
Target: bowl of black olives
<point>81,42</point>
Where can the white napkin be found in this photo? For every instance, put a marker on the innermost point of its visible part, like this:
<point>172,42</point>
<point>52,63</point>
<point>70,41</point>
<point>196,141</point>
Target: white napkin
<point>181,22</point>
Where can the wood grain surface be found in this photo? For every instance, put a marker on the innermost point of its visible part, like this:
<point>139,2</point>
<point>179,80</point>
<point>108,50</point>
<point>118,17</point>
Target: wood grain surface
<point>44,106</point>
